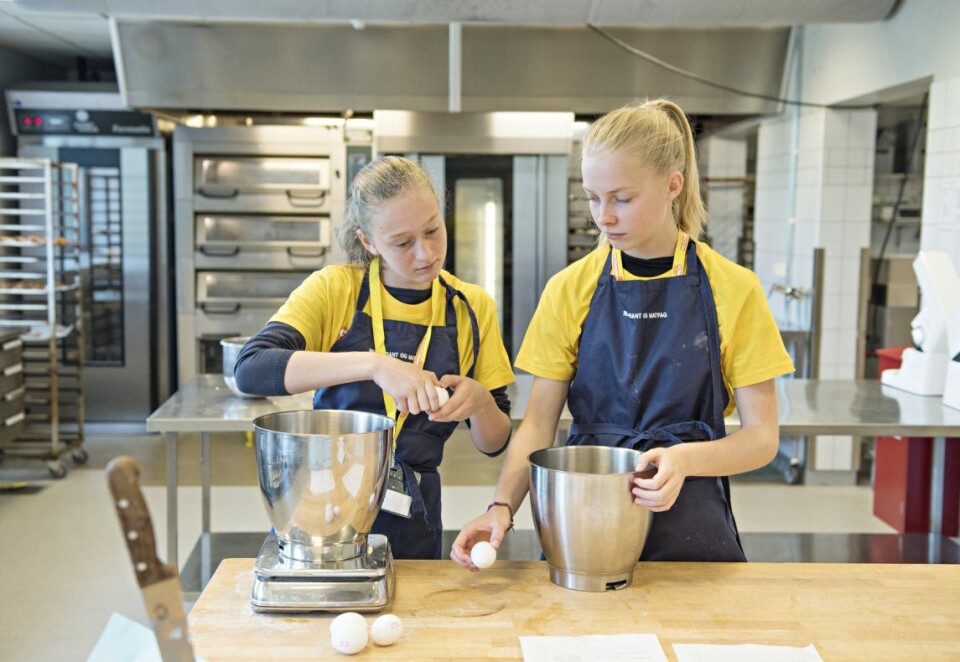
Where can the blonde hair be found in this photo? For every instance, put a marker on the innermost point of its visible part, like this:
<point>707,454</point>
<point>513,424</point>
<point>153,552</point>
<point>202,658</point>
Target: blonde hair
<point>659,134</point>
<point>377,182</point>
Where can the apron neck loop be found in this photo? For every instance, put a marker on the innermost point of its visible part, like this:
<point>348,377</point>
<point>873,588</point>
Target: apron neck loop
<point>679,267</point>
<point>379,339</point>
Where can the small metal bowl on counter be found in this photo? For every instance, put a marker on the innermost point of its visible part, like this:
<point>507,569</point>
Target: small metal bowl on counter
<point>231,349</point>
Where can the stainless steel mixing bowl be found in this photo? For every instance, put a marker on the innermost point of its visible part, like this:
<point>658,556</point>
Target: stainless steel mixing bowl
<point>591,531</point>
<point>231,349</point>
<point>322,476</point>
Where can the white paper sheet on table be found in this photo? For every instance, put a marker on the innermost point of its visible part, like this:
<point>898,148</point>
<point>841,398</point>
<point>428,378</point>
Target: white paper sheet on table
<point>744,653</point>
<point>621,647</point>
<point>126,639</point>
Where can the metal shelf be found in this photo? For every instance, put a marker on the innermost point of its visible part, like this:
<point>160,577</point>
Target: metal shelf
<point>47,204</point>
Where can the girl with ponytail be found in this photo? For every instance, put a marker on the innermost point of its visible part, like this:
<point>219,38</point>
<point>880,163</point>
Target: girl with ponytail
<point>651,339</point>
<point>391,332</point>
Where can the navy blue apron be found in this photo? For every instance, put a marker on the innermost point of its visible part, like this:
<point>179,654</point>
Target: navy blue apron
<point>649,375</point>
<point>420,443</point>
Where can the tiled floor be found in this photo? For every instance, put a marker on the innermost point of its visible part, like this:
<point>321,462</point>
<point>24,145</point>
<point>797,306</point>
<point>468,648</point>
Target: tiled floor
<point>64,567</point>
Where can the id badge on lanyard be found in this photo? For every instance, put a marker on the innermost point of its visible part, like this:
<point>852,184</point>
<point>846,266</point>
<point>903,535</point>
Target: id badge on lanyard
<point>397,499</point>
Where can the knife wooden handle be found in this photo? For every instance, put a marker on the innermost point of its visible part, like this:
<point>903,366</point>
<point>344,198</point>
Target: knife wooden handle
<point>123,476</point>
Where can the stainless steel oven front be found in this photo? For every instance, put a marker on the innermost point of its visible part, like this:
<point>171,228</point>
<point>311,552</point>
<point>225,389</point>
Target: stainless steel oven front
<point>256,211</point>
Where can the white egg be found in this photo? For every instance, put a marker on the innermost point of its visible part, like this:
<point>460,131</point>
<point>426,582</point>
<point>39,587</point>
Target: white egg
<point>443,394</point>
<point>347,617</point>
<point>348,633</point>
<point>386,630</point>
<point>483,554</point>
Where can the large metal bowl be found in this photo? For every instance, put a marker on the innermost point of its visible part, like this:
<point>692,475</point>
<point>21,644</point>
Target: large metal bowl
<point>231,349</point>
<point>322,476</point>
<point>591,531</point>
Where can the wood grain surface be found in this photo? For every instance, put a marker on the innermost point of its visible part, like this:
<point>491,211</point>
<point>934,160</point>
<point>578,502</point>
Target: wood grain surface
<point>848,611</point>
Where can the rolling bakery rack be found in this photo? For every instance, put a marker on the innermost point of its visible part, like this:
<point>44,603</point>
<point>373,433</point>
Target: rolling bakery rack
<point>40,293</point>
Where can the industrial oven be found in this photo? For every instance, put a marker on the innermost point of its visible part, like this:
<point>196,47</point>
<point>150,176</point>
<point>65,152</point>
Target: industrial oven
<point>255,212</point>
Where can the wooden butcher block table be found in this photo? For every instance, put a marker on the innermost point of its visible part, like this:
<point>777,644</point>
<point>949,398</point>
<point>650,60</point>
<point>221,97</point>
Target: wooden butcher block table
<point>849,611</point>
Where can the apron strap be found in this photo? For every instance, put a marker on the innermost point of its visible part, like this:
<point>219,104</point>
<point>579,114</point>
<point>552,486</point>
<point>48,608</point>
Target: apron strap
<point>607,269</point>
<point>412,482</point>
<point>451,313</point>
<point>364,292</point>
<point>668,435</point>
<point>452,321</point>
<point>720,397</point>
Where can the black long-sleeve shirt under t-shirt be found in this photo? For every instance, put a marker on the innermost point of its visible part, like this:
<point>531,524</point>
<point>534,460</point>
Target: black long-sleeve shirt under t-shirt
<point>262,362</point>
<point>646,268</point>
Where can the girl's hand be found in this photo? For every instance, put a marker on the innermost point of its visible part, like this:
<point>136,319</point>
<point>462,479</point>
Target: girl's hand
<point>492,526</point>
<point>660,491</point>
<point>469,397</point>
<point>412,389</point>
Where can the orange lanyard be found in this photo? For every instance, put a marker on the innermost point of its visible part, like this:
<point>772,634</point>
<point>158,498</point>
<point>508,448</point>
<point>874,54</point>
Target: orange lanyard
<point>679,258</point>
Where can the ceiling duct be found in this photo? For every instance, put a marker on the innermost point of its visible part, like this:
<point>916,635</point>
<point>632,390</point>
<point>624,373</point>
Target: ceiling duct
<point>330,68</point>
<point>610,13</point>
<point>333,55</point>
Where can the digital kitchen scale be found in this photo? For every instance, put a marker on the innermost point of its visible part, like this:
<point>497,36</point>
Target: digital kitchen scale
<point>363,583</point>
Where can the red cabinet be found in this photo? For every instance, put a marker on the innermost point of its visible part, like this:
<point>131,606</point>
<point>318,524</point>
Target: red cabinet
<point>902,467</point>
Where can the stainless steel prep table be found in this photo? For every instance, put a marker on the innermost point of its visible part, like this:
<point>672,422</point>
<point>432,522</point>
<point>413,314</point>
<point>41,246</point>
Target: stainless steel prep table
<point>204,405</point>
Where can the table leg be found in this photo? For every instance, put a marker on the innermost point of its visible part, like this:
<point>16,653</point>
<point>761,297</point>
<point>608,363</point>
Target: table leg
<point>172,499</point>
<point>205,479</point>
<point>205,570</point>
<point>937,483</point>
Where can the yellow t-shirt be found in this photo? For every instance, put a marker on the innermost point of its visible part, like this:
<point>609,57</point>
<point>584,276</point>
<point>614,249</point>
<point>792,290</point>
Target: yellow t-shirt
<point>751,349</point>
<point>322,309</point>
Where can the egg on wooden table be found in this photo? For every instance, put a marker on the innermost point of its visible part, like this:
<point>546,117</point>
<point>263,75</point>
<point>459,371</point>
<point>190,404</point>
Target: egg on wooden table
<point>386,630</point>
<point>348,633</point>
<point>483,554</point>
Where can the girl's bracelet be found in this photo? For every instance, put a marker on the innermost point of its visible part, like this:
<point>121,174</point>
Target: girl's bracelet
<point>509,510</point>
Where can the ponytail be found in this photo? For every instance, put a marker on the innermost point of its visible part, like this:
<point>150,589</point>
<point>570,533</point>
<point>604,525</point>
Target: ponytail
<point>349,241</point>
<point>660,135</point>
<point>689,210</point>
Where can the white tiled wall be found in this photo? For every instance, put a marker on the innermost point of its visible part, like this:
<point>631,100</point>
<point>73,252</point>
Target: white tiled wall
<point>940,228</point>
<point>830,208</point>
<point>722,158</point>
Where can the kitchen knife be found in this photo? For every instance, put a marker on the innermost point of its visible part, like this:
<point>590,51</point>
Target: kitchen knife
<point>159,582</point>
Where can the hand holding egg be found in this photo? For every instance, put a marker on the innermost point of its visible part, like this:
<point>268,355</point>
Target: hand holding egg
<point>443,394</point>
<point>483,554</point>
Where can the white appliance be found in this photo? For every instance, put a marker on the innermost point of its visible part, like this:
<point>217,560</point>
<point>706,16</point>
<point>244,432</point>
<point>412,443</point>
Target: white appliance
<point>924,367</point>
<point>951,387</point>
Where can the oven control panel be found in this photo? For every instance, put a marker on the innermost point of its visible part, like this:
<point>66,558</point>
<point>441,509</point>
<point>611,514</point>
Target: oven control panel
<point>81,122</point>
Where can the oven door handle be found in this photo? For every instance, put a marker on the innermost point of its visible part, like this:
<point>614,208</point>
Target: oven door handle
<point>213,311</point>
<point>218,193</point>
<point>320,253</point>
<point>306,200</point>
<point>226,253</point>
